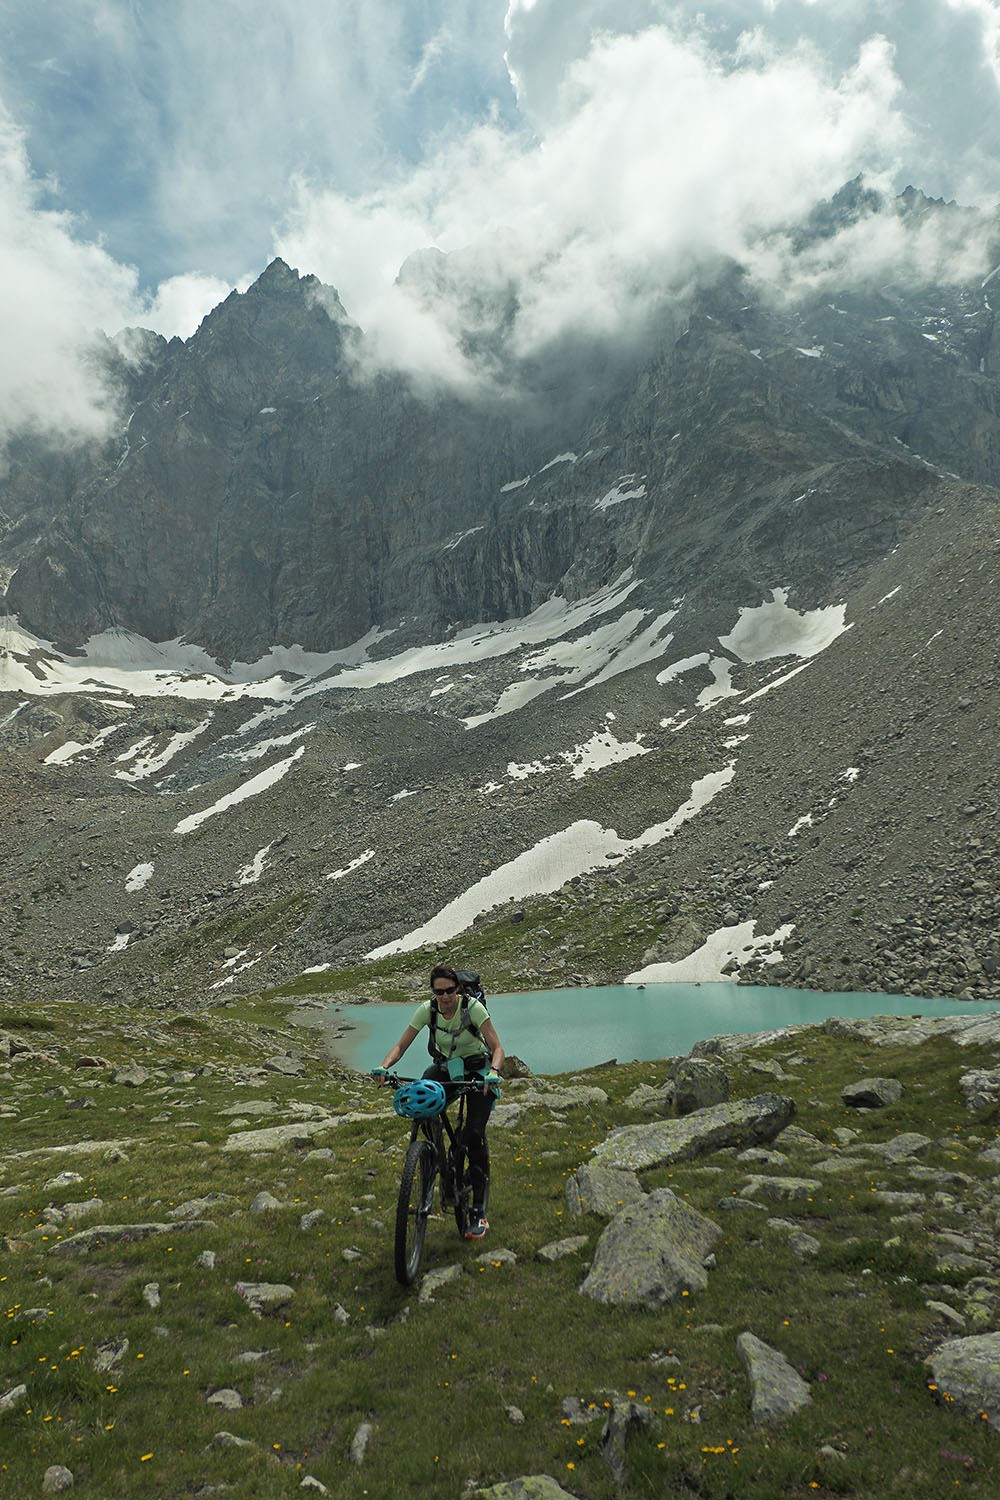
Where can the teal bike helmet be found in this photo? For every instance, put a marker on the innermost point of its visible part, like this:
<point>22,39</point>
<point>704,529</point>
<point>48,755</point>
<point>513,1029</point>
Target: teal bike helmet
<point>420,1099</point>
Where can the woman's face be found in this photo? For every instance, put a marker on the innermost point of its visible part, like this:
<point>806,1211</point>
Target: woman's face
<point>446,991</point>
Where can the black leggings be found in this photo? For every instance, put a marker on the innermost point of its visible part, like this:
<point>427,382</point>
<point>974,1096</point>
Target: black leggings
<point>478,1108</point>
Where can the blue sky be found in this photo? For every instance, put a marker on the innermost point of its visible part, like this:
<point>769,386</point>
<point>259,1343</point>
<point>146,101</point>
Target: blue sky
<point>594,153</point>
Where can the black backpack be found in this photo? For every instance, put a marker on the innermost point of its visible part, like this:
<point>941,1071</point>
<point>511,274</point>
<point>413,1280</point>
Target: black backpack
<point>471,987</point>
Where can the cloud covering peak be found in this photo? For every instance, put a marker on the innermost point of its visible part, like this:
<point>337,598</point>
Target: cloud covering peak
<point>579,161</point>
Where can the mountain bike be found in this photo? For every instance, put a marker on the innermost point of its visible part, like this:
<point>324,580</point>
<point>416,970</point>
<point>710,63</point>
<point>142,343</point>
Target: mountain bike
<point>435,1152</point>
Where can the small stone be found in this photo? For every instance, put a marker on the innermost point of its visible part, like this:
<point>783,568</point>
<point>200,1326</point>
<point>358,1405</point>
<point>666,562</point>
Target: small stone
<point>151,1294</point>
<point>288,1066</point>
<point>109,1354</point>
<point>360,1441</point>
<point>229,1440</point>
<point>64,1180</point>
<point>514,1415</point>
<point>947,1312</point>
<point>206,1260</point>
<point>311,1219</point>
<point>262,1296</point>
<point>56,1479</point>
<point>265,1203</point>
<point>778,1390</point>
<point>434,1280</point>
<point>227,1398</point>
<point>310,1482</point>
<point>560,1249</point>
<point>13,1398</point>
<point>131,1077</point>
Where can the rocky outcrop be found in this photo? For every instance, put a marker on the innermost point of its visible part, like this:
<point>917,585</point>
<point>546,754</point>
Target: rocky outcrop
<point>528,1487</point>
<point>651,1253</point>
<point>593,1189</point>
<point>872,1093</point>
<point>699,1082</point>
<point>967,1371</point>
<point>778,1390</point>
<point>745,1122</point>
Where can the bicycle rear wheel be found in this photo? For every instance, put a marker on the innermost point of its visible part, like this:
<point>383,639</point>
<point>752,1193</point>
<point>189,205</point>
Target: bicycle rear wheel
<point>416,1190</point>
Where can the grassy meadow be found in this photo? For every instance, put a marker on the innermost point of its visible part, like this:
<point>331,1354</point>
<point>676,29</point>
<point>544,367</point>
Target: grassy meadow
<point>438,1380</point>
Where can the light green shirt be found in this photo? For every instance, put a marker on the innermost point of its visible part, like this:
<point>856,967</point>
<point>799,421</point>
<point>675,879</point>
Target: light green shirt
<point>467,1043</point>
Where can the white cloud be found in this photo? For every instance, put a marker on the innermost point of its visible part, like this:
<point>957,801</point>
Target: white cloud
<point>56,291</point>
<point>655,160</point>
<point>181,302</point>
<point>655,137</point>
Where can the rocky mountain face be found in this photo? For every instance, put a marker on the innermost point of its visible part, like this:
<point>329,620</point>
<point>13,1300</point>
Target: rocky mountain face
<point>698,638</point>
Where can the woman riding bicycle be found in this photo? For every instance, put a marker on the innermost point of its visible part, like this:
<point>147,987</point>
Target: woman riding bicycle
<point>464,1045</point>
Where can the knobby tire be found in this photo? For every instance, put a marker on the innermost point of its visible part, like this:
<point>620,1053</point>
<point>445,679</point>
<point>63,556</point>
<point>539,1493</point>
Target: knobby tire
<point>416,1190</point>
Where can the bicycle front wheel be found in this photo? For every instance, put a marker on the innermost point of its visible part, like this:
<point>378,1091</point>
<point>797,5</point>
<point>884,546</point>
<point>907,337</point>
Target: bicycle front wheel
<point>416,1190</point>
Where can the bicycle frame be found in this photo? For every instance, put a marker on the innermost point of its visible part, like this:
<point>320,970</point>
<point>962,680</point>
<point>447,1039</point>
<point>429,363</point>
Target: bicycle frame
<point>434,1151</point>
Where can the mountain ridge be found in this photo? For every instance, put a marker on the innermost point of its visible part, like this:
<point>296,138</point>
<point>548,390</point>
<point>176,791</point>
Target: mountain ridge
<point>499,623</point>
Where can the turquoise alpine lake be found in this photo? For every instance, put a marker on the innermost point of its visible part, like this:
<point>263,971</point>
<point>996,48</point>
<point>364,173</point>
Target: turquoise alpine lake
<point>556,1031</point>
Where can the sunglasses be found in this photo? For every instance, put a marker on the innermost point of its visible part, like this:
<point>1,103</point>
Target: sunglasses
<point>449,991</point>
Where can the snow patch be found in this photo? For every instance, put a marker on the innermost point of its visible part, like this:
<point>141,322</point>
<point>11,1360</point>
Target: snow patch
<point>355,864</point>
<point>456,541</point>
<point>721,669</point>
<point>72,749</point>
<point>776,682</point>
<point>251,873</point>
<point>252,788</point>
<point>686,664</point>
<point>629,487</point>
<point>583,846</point>
<point>773,629</point>
<point>148,765</point>
<point>806,821</point>
<point>264,747</point>
<point>705,964</point>
<point>136,879</point>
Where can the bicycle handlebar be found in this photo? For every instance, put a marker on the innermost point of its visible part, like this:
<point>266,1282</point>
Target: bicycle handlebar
<point>459,1086</point>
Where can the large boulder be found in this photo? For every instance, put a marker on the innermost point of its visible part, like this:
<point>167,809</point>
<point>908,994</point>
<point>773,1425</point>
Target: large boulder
<point>968,1370</point>
<point>651,1252</point>
<point>744,1122</point>
<point>872,1093</point>
<point>778,1390</point>
<point>980,1088</point>
<point>594,1189</point>
<point>699,1082</point>
<point>101,1234</point>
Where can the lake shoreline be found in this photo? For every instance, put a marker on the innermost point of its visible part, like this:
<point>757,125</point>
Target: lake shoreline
<point>588,1025</point>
